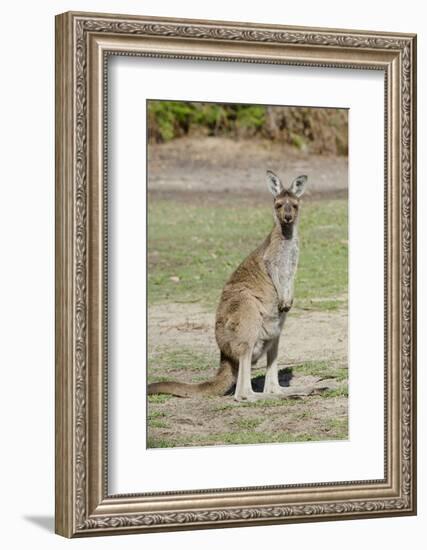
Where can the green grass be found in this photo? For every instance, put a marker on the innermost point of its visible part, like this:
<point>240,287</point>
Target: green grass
<point>260,404</point>
<point>159,399</point>
<point>158,424</point>
<point>156,414</point>
<point>248,423</point>
<point>339,426</point>
<point>323,264</point>
<point>156,419</point>
<point>168,362</point>
<point>158,443</point>
<point>342,391</point>
<point>322,369</point>
<point>238,438</point>
<point>203,245</point>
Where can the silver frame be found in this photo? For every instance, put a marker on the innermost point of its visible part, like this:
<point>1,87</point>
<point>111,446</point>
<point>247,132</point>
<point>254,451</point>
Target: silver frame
<point>83,43</point>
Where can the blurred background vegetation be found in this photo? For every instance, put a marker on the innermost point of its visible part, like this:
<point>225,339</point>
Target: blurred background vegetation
<point>317,130</point>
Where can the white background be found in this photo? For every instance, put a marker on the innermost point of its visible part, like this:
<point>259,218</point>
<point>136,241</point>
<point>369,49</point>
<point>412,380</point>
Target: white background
<point>27,275</point>
<point>362,456</point>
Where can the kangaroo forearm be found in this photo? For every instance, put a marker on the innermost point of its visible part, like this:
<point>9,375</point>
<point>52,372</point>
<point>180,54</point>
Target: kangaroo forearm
<point>278,288</point>
<point>274,276</point>
<point>273,271</point>
<point>284,287</point>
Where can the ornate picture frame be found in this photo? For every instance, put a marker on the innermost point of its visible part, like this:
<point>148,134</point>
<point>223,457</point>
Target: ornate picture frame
<point>83,43</point>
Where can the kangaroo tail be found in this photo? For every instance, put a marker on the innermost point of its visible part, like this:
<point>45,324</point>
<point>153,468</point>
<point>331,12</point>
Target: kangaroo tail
<point>224,378</point>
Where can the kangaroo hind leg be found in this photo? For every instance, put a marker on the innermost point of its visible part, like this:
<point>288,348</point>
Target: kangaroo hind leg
<point>244,391</point>
<point>271,384</point>
<point>272,387</point>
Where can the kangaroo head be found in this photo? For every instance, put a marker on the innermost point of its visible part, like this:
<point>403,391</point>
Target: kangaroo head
<point>286,201</point>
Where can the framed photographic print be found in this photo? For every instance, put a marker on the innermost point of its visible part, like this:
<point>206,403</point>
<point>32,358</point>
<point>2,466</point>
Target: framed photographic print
<point>235,274</point>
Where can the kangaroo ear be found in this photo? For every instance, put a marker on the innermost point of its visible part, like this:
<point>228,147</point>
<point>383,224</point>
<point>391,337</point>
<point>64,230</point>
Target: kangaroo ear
<point>274,183</point>
<point>298,185</point>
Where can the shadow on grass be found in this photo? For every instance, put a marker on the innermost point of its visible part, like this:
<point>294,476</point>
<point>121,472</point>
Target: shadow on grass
<point>285,376</point>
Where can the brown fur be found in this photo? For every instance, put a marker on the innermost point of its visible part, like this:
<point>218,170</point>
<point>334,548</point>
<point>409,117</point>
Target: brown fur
<point>252,308</point>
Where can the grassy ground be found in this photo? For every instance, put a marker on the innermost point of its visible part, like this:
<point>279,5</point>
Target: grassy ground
<point>211,421</point>
<point>193,249</point>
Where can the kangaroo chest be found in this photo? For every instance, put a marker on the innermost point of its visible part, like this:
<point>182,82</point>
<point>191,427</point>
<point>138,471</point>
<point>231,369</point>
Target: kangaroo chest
<point>286,263</point>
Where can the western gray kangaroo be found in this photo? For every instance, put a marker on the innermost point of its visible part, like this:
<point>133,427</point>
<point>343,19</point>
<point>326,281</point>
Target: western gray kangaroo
<point>253,308</point>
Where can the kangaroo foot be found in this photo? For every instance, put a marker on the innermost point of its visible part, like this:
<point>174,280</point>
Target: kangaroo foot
<point>299,391</point>
<point>278,393</point>
<point>281,392</point>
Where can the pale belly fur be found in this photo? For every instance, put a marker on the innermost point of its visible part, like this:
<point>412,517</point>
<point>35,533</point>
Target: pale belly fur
<point>270,330</point>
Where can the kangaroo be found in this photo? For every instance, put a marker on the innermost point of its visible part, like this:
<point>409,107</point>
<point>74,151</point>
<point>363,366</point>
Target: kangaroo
<point>253,308</point>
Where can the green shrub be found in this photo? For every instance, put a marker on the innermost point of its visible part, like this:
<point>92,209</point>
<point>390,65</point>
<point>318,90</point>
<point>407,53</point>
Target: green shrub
<point>321,130</point>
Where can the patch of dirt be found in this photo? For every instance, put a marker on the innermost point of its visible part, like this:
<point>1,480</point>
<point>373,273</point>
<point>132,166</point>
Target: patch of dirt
<point>219,165</point>
<point>250,197</point>
<point>307,336</point>
<point>194,422</point>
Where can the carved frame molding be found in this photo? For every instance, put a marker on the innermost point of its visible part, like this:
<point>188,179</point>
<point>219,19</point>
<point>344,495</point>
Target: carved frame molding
<point>83,43</point>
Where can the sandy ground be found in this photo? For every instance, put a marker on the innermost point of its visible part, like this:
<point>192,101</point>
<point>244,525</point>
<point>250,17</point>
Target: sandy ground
<point>218,165</point>
<point>311,336</point>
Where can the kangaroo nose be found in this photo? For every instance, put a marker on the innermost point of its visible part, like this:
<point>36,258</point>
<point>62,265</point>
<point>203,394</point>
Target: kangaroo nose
<point>288,217</point>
